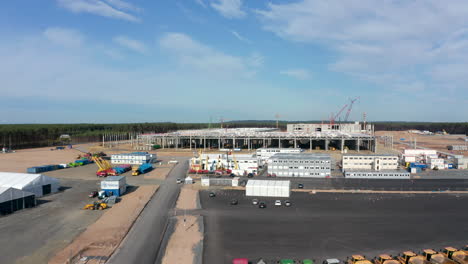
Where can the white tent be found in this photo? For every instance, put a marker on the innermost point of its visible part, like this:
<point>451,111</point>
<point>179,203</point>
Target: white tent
<point>8,194</point>
<point>38,184</point>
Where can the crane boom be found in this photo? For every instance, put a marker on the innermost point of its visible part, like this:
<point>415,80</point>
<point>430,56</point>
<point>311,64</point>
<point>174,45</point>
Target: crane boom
<point>349,108</point>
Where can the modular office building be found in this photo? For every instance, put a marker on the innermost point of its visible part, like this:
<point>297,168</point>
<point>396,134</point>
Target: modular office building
<point>311,165</point>
<point>371,174</point>
<point>136,158</point>
<point>369,162</point>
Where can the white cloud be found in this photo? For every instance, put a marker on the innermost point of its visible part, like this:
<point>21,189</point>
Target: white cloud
<point>301,74</point>
<point>229,8</point>
<point>201,2</point>
<point>110,8</point>
<point>124,5</point>
<point>198,56</point>
<point>240,37</point>
<point>408,40</point>
<point>63,36</point>
<point>131,44</point>
<point>256,60</point>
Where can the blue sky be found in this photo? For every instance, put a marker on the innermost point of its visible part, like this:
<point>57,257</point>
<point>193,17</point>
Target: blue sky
<point>68,61</point>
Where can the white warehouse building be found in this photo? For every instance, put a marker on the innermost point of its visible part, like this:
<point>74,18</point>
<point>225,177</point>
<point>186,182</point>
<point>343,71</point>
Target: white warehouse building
<point>312,165</point>
<point>369,162</point>
<point>268,188</point>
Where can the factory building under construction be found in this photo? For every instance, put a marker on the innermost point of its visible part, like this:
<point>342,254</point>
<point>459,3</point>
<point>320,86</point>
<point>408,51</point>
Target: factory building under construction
<point>346,136</point>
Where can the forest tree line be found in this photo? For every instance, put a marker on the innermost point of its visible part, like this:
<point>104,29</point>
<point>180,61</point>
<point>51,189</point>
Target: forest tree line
<point>42,135</point>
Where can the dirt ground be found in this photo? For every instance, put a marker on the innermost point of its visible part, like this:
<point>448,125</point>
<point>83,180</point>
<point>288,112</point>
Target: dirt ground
<point>160,171</point>
<point>437,142</point>
<point>186,236</point>
<point>20,160</point>
<point>103,237</point>
<point>187,198</point>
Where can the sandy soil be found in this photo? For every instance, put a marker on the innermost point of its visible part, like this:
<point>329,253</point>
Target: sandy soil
<point>159,171</point>
<point>103,237</point>
<point>23,159</point>
<point>187,198</point>
<point>438,142</point>
<point>174,153</point>
<point>182,242</point>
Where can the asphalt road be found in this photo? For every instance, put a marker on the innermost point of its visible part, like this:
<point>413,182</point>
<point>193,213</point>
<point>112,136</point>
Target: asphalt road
<point>330,225</point>
<point>142,243</point>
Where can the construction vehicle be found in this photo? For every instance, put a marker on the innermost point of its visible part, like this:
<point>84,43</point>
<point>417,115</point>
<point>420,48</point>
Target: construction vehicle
<point>105,168</point>
<point>143,168</point>
<point>357,259</point>
<point>437,258</point>
<point>135,171</point>
<point>95,206</point>
<point>460,256</point>
<point>385,259</point>
<point>409,257</point>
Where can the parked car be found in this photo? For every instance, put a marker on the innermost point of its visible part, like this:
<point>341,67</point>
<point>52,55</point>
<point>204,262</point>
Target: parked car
<point>232,175</point>
<point>250,175</point>
<point>255,201</point>
<point>287,203</point>
<point>93,194</point>
<point>234,202</point>
<point>179,181</point>
<point>331,261</point>
<point>262,205</point>
<point>278,202</point>
<point>300,186</point>
<point>212,194</point>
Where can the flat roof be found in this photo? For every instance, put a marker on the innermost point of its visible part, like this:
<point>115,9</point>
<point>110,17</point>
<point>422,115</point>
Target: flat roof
<point>302,156</point>
<point>372,155</point>
<point>114,178</point>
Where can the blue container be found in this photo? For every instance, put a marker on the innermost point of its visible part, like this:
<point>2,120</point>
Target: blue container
<point>418,165</point>
<point>451,166</point>
<point>145,167</point>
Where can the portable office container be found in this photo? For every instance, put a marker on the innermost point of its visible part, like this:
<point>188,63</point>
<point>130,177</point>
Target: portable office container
<point>114,185</point>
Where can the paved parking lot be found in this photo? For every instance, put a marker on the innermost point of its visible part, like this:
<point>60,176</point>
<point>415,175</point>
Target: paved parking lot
<point>330,225</point>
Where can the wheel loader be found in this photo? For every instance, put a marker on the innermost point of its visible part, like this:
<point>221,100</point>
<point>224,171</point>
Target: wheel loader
<point>409,257</point>
<point>437,257</point>
<point>459,256</point>
<point>95,206</point>
<point>357,259</point>
<point>385,259</point>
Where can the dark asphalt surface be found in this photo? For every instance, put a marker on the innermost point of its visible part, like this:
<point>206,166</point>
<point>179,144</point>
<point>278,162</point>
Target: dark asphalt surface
<point>142,243</point>
<point>330,225</point>
<point>376,184</point>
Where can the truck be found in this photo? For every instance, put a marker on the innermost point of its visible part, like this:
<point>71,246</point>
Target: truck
<point>460,256</point>
<point>385,259</point>
<point>437,257</point>
<point>409,257</point>
<point>143,168</point>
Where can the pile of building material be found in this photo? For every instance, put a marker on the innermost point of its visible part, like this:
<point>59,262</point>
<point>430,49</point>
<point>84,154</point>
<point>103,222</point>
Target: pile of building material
<point>268,188</point>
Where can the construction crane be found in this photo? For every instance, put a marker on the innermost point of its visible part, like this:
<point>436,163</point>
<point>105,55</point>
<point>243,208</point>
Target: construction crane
<point>350,107</point>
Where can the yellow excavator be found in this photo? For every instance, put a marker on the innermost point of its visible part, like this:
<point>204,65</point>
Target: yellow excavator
<point>357,259</point>
<point>459,256</point>
<point>385,259</point>
<point>409,257</point>
<point>437,257</point>
<point>95,206</point>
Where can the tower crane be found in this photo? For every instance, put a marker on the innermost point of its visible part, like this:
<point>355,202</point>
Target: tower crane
<point>350,107</point>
